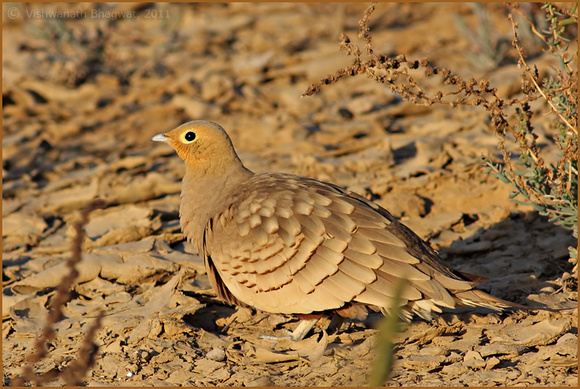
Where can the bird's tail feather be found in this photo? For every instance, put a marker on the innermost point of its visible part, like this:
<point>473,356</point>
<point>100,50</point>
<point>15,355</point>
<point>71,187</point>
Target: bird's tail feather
<point>478,298</point>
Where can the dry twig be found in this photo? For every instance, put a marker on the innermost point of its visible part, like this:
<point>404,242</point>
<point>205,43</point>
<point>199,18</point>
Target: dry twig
<point>77,369</point>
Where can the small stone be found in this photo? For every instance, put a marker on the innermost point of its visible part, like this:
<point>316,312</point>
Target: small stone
<point>491,363</point>
<point>566,339</point>
<point>473,360</point>
<point>217,354</point>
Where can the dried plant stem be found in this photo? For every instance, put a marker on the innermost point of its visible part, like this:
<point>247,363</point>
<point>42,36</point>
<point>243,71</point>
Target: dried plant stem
<point>78,369</point>
<point>532,78</point>
<point>56,306</point>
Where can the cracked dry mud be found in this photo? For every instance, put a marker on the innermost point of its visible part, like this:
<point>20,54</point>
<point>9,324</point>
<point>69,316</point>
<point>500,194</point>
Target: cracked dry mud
<point>82,99</point>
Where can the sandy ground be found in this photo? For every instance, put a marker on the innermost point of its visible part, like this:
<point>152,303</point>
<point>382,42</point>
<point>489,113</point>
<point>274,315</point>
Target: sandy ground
<point>82,99</point>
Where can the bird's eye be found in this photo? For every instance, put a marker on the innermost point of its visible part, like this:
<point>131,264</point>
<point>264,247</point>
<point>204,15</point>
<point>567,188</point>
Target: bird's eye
<point>189,136</point>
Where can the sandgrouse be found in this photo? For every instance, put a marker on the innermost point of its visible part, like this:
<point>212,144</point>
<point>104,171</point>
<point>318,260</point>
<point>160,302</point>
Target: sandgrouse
<point>288,244</point>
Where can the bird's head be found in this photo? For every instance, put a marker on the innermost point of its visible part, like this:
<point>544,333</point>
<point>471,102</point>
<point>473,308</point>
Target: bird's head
<point>203,145</point>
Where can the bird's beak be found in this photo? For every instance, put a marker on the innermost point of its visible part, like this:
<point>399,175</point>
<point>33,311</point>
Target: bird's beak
<point>160,138</point>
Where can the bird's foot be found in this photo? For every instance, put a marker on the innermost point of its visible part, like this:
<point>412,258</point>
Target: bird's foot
<point>274,339</point>
<point>297,335</point>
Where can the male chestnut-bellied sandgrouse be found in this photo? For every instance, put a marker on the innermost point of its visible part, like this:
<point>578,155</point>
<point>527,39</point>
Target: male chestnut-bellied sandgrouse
<point>287,244</point>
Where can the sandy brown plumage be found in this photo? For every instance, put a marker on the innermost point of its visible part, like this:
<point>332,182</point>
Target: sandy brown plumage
<point>294,245</point>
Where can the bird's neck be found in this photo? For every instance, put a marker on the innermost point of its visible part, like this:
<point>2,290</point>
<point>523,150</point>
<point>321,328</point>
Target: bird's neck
<point>205,195</point>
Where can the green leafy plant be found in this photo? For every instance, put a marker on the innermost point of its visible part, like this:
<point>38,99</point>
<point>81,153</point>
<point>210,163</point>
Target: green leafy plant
<point>550,189</point>
<point>389,327</point>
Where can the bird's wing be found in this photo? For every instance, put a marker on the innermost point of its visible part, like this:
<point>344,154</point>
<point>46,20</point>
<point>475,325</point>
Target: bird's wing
<point>291,244</point>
